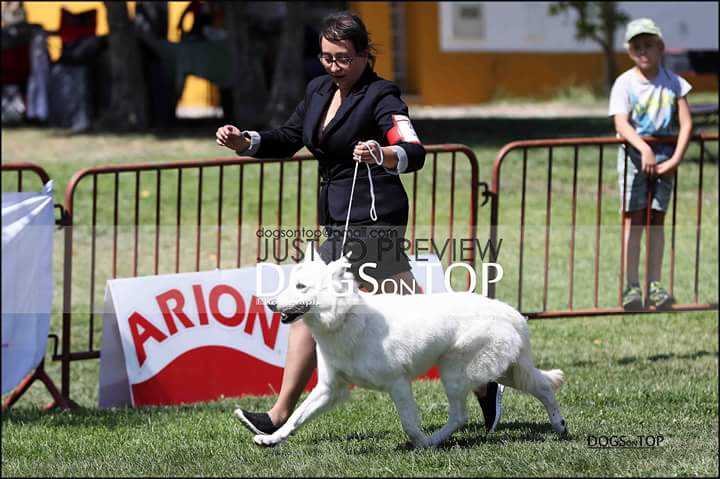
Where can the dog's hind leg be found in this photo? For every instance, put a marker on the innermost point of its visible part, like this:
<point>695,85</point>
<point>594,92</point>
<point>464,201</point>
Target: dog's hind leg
<point>402,396</point>
<point>542,385</point>
<point>456,389</point>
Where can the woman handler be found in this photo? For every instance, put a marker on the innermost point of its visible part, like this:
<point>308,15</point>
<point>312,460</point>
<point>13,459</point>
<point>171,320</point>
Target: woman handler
<point>348,115</point>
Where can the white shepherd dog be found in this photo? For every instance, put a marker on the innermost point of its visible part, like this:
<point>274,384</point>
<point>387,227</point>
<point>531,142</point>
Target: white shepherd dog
<point>383,342</point>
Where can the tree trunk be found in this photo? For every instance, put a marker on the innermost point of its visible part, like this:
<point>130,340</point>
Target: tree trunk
<point>249,93</point>
<point>288,80</point>
<point>128,98</point>
<point>609,18</point>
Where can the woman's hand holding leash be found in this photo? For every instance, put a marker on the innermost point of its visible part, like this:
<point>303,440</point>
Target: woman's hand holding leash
<point>368,152</point>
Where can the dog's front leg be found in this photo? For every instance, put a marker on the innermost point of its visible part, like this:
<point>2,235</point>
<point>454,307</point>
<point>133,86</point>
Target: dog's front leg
<point>321,398</point>
<point>402,396</point>
<point>329,391</point>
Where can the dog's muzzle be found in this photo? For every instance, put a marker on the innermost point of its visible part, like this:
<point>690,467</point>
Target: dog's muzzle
<point>287,318</point>
<point>291,315</point>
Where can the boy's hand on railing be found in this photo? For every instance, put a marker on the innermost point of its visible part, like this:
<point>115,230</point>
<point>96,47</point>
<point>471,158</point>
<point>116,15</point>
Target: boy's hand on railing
<point>649,164</point>
<point>667,167</point>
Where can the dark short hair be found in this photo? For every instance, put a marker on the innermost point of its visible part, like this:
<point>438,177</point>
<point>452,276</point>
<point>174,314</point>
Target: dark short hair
<point>348,26</point>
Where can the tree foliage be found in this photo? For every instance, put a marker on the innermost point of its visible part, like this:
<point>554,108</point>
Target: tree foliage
<point>598,22</point>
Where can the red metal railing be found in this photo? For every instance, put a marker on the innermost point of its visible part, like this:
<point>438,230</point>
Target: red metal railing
<point>429,195</point>
<point>126,253</point>
<point>39,374</point>
<point>26,167</point>
<point>551,146</point>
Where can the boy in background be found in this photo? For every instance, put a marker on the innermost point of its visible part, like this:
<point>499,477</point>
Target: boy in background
<point>648,100</point>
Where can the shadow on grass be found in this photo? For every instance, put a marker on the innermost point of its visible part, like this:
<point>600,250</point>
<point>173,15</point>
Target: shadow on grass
<point>507,432</point>
<point>497,132</point>
<point>89,417</point>
<point>653,358</point>
<point>470,131</point>
<point>666,357</point>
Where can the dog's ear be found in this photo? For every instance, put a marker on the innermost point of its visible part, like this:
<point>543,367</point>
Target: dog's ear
<point>345,260</point>
<point>311,254</point>
<point>340,267</point>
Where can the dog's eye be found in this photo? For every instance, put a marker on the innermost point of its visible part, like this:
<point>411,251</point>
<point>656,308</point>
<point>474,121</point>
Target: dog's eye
<point>300,286</point>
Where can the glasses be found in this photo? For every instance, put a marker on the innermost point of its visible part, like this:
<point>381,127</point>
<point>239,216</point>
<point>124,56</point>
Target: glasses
<point>343,61</point>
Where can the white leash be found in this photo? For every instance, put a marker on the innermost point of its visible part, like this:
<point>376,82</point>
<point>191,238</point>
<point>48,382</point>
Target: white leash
<point>373,213</point>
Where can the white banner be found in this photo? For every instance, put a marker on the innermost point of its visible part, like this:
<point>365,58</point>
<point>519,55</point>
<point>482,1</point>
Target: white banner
<point>27,281</point>
<point>192,337</point>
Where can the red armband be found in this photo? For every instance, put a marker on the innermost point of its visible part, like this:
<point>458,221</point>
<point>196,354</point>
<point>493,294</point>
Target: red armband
<point>402,130</point>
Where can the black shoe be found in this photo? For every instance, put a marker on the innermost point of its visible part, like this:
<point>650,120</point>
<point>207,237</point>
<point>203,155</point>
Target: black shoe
<point>491,405</point>
<point>256,422</point>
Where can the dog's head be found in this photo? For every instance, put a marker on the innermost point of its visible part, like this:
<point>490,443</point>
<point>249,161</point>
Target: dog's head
<point>316,287</point>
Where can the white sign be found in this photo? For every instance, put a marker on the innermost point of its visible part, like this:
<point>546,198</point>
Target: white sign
<point>27,281</point>
<point>192,337</point>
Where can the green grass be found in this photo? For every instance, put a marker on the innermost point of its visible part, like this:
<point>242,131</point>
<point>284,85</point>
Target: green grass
<point>645,375</point>
<point>626,375</point>
<point>579,95</point>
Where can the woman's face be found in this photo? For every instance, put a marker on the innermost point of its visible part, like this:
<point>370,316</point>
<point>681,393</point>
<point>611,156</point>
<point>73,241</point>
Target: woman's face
<point>348,65</point>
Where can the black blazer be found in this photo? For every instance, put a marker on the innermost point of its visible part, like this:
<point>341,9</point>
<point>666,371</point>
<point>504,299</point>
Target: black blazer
<point>369,112</point>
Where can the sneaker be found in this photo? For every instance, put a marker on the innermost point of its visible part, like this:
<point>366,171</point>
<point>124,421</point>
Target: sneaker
<point>632,298</point>
<point>659,297</point>
<point>256,422</point>
<point>491,405</point>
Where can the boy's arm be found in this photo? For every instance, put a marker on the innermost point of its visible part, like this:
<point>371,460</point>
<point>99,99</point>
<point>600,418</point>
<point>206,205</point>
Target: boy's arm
<point>625,129</point>
<point>683,139</point>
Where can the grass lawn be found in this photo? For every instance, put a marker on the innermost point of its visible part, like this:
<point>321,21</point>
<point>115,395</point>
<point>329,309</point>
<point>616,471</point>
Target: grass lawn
<point>652,375</point>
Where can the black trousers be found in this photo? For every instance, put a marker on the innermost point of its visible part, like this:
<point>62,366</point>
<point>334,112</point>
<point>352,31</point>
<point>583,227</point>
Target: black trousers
<point>370,242</point>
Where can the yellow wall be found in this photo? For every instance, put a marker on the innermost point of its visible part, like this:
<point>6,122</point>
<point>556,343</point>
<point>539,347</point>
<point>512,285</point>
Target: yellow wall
<point>470,77</point>
<point>197,92</point>
<point>376,16</point>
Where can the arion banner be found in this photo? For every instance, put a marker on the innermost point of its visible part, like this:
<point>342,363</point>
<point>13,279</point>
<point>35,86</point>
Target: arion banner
<point>191,337</point>
<point>27,281</point>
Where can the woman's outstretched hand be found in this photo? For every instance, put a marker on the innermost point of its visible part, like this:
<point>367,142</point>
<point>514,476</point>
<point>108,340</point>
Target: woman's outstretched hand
<point>230,136</point>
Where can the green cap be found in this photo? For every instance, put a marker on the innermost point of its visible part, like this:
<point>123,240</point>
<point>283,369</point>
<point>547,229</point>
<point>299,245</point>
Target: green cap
<point>640,26</point>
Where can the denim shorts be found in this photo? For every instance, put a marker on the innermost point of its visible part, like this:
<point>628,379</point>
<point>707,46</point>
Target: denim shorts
<point>636,194</point>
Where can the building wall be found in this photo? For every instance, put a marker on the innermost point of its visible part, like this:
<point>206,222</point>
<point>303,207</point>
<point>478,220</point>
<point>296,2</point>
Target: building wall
<point>475,77</point>
<point>376,16</point>
<point>434,76</point>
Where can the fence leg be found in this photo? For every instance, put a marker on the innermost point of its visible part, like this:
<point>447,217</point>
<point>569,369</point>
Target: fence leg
<point>39,374</point>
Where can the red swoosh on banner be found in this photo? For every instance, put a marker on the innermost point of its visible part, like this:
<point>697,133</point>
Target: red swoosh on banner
<point>207,374</point>
<point>212,372</point>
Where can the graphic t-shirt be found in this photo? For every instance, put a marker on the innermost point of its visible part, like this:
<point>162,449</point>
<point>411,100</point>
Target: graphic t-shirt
<point>650,104</point>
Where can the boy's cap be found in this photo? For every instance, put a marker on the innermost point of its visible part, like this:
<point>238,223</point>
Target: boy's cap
<point>640,26</point>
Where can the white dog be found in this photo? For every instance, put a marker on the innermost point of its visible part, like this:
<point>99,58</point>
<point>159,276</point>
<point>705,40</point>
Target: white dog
<point>383,342</point>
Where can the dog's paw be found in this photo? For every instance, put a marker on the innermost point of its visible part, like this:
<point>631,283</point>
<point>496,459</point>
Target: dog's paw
<point>561,428</point>
<point>422,443</point>
<point>266,440</point>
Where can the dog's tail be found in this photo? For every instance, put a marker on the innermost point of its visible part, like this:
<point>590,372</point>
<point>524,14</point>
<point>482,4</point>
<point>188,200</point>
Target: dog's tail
<point>555,377</point>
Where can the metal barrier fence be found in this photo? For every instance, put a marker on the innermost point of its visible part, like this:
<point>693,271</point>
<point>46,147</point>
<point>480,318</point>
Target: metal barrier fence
<point>20,168</point>
<point>36,172</point>
<point>592,179</point>
<point>157,218</point>
<point>126,229</point>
